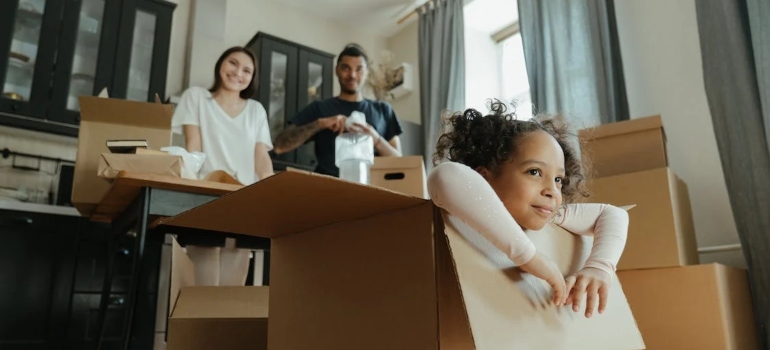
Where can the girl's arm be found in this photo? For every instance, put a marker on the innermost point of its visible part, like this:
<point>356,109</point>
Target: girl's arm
<point>192,138</point>
<point>465,194</point>
<point>606,223</point>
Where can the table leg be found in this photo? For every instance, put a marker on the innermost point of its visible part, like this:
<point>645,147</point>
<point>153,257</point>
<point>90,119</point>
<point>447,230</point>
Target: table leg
<point>141,208</point>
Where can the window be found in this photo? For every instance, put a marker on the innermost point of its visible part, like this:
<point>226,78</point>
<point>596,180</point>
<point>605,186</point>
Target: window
<point>513,75</point>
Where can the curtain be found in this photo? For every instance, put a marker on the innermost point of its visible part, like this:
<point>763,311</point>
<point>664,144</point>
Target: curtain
<point>573,59</point>
<point>442,67</point>
<point>735,67</point>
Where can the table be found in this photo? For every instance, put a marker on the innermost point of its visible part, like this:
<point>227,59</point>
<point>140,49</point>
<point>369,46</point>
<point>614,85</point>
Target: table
<point>133,205</point>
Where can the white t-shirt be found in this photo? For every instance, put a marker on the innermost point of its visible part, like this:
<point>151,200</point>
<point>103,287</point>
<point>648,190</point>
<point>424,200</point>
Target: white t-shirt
<point>227,142</point>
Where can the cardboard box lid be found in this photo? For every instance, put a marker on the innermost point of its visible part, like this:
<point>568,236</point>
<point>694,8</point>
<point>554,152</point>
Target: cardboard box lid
<point>391,163</point>
<point>623,127</point>
<point>221,302</point>
<point>125,112</point>
<point>270,208</point>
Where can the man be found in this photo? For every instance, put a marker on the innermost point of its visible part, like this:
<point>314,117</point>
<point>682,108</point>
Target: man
<point>322,121</point>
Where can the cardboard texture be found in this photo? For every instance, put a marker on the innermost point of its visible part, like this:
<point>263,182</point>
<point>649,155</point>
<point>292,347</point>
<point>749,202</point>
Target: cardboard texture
<point>110,165</point>
<point>400,174</point>
<point>701,307</point>
<point>625,147</point>
<point>105,119</point>
<point>204,317</point>
<point>661,232</point>
<point>360,267</point>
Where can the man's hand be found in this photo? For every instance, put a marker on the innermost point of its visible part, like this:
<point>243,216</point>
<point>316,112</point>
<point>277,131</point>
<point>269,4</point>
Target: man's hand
<point>334,123</point>
<point>590,282</point>
<point>365,128</point>
<point>542,267</point>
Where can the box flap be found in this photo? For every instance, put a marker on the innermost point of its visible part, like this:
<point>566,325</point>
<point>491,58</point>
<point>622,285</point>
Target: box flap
<point>510,309</point>
<point>222,302</point>
<point>125,112</point>
<point>182,274</point>
<point>622,127</point>
<point>408,162</point>
<point>291,202</point>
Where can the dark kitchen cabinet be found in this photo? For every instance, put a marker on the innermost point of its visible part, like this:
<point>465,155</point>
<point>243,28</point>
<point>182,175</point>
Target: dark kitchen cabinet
<point>53,51</point>
<point>37,262</point>
<point>291,76</point>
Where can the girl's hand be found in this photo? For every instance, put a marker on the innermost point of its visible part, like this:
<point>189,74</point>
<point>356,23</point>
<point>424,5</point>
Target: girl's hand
<point>543,268</point>
<point>590,282</point>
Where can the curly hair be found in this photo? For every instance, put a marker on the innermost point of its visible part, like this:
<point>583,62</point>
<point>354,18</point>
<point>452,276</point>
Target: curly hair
<point>490,141</point>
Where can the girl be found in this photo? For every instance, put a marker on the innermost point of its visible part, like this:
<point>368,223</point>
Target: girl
<point>232,130</point>
<point>506,176</point>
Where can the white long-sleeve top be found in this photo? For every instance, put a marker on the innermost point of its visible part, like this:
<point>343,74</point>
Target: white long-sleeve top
<point>466,195</point>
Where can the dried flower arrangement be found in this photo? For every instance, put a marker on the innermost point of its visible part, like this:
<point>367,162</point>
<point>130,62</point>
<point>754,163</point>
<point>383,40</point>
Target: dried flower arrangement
<point>383,76</point>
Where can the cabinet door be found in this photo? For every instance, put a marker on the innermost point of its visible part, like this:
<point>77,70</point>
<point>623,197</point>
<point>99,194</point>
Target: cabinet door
<point>37,254</point>
<point>86,55</point>
<point>277,86</point>
<point>142,60</point>
<point>315,83</point>
<point>28,33</point>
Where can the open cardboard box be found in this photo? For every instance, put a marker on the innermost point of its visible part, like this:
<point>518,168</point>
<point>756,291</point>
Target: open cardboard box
<point>105,119</point>
<point>213,317</point>
<point>360,267</point>
<point>110,165</point>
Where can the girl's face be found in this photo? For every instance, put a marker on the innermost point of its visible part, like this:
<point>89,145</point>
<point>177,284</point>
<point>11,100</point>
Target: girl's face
<point>236,72</point>
<point>529,185</point>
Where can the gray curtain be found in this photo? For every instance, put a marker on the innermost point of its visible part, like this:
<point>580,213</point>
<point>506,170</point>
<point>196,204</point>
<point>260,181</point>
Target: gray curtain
<point>573,59</point>
<point>442,67</point>
<point>737,93</point>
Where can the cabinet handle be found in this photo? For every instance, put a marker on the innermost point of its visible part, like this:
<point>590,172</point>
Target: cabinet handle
<point>25,220</point>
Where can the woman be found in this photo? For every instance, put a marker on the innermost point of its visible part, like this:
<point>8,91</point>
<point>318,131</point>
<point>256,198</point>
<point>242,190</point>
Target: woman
<point>232,130</point>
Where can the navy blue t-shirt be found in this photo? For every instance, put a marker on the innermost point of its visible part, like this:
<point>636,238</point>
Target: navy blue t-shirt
<point>379,114</point>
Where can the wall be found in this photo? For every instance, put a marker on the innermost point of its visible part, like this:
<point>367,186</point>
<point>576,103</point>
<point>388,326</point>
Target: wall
<point>175,78</point>
<point>403,45</point>
<point>663,71</point>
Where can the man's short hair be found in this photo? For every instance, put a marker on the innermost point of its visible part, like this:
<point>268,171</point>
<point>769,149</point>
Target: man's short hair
<point>354,50</point>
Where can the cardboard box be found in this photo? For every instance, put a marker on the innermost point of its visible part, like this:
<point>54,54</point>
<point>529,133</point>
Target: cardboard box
<point>105,119</point>
<point>360,267</point>
<point>625,147</point>
<point>695,307</point>
<point>661,232</point>
<point>111,164</point>
<point>213,317</point>
<point>400,174</point>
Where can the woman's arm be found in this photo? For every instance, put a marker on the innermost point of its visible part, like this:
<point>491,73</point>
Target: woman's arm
<point>465,194</point>
<point>606,223</point>
<point>192,138</point>
<point>263,165</point>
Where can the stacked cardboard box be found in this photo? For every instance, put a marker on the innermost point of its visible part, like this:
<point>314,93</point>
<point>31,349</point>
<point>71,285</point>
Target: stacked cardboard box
<point>677,303</point>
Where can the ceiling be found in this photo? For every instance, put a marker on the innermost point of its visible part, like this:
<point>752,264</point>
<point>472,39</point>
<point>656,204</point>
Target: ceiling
<point>379,17</point>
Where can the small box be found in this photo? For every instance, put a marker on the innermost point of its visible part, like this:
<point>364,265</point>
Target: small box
<point>105,119</point>
<point>213,317</point>
<point>360,267</point>
<point>401,174</point>
<point>693,307</point>
<point>625,147</point>
<point>661,232</point>
<point>110,165</point>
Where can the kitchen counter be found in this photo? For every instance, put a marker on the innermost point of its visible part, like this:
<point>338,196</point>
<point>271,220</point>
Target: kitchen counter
<point>38,208</point>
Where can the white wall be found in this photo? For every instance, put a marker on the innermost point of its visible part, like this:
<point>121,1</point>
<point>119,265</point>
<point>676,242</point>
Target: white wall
<point>403,45</point>
<point>663,72</point>
<point>244,18</point>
